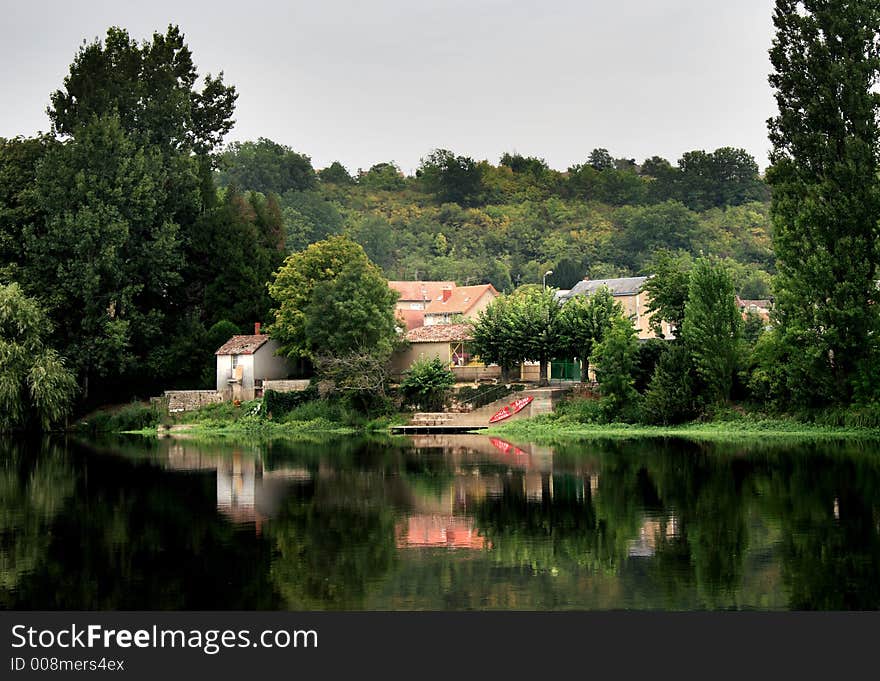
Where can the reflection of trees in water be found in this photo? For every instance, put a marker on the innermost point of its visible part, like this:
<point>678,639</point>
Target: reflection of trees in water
<point>331,555</point>
<point>829,506</point>
<point>35,482</point>
<point>135,537</point>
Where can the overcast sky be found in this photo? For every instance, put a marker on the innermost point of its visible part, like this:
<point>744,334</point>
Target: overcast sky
<point>364,82</point>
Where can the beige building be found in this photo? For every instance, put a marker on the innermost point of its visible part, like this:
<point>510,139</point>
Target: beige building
<point>244,362</point>
<point>628,291</point>
<point>450,344</point>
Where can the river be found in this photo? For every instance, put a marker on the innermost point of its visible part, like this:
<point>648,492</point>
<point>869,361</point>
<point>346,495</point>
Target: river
<point>439,523</point>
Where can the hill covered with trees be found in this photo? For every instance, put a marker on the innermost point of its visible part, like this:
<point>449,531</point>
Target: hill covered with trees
<point>508,223</point>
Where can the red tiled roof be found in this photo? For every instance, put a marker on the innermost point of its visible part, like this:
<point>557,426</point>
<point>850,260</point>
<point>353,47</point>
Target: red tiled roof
<point>412,319</point>
<point>461,300</point>
<point>242,345</point>
<point>440,333</point>
<point>420,290</point>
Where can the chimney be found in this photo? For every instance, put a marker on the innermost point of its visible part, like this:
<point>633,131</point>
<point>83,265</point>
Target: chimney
<point>256,328</point>
<point>447,293</point>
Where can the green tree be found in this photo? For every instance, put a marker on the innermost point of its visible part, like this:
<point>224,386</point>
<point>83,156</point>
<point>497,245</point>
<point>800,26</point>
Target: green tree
<point>331,299</point>
<point>824,176</point>
<point>585,320</point>
<point>382,176</point>
<point>335,173</point>
<point>523,326</point>
<point>667,288</point>
<point>427,384</point>
<point>36,388</point>
<point>266,166</point>
<point>451,178</point>
<point>614,360</point>
<point>712,327</point>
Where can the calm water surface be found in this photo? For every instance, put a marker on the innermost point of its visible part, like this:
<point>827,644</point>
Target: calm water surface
<point>462,522</point>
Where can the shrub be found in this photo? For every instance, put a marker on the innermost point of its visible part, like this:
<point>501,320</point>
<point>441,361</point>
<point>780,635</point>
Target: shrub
<point>280,403</point>
<point>134,416</point>
<point>672,394</point>
<point>428,384</point>
<point>647,359</point>
<point>580,410</point>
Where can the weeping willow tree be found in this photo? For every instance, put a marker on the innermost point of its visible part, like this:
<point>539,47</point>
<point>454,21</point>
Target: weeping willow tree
<point>36,388</point>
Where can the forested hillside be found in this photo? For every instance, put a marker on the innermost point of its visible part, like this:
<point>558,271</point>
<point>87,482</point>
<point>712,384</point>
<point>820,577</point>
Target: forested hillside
<point>507,224</point>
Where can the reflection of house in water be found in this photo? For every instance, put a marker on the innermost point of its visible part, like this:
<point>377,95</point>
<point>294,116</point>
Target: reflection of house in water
<point>653,532</point>
<point>438,531</point>
<point>246,493</point>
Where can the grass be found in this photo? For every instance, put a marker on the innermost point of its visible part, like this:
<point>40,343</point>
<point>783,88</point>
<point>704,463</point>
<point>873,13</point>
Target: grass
<point>547,429</point>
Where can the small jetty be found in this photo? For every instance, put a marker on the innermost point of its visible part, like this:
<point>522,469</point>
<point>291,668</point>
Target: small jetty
<point>454,422</point>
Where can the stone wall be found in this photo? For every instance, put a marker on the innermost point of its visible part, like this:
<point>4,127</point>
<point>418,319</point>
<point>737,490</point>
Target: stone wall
<point>188,400</point>
<point>285,386</point>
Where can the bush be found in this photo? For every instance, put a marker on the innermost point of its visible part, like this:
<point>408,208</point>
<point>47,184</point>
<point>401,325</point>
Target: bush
<point>280,403</point>
<point>672,394</point>
<point>134,416</point>
<point>580,410</point>
<point>428,384</point>
<point>647,359</point>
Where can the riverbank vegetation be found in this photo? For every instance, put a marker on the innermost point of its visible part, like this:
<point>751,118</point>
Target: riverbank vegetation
<point>144,240</point>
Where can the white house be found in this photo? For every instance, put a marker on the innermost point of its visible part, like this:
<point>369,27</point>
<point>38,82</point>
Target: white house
<point>244,362</point>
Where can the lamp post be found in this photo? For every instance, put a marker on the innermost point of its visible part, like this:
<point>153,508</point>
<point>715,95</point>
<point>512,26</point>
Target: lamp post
<point>544,280</point>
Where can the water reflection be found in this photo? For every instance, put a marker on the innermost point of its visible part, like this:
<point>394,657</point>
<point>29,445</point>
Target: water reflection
<point>428,522</point>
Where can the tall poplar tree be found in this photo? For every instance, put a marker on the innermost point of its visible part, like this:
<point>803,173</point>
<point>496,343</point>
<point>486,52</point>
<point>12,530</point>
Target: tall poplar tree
<point>826,198</point>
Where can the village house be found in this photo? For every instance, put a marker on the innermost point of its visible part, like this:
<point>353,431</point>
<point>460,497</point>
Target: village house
<point>758,307</point>
<point>425,303</point>
<point>245,362</point>
<point>447,342</point>
<point>413,298</point>
<point>457,303</point>
<point>628,291</point>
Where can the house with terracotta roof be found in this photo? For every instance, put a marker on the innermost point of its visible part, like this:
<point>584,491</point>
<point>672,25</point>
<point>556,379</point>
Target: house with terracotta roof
<point>459,303</point>
<point>448,342</point>
<point>413,298</point>
<point>244,362</point>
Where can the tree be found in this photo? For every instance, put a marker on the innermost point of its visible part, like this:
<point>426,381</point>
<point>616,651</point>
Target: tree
<point>646,229</point>
<point>584,322</point>
<point>826,195</point>
<point>672,394</point>
<point>108,252</point>
<point>151,87</point>
<point>667,288</point>
<point>600,160</point>
<point>36,388</point>
<point>427,384</point>
<point>335,173</point>
<point>724,177</point>
<point>614,361</point>
<point>331,299</point>
<point>266,166</point>
<point>382,176</point>
<point>451,178</point>
<point>712,327</point>
<point>523,326</point>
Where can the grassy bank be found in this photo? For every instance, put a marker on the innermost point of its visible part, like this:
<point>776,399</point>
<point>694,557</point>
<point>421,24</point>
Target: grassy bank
<point>248,420</point>
<point>548,429</point>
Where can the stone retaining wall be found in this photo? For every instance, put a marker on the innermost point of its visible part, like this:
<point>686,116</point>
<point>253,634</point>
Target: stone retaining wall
<point>188,400</point>
<point>285,386</point>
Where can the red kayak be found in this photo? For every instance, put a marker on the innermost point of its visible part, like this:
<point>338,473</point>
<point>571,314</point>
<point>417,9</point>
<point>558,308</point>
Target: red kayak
<point>511,409</point>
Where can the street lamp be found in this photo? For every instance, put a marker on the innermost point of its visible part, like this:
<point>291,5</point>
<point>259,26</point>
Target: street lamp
<point>546,274</point>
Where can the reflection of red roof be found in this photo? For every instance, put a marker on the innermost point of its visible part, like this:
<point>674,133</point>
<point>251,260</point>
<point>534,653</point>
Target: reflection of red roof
<point>242,345</point>
<point>420,290</point>
<point>440,333</point>
<point>462,299</point>
<point>454,532</point>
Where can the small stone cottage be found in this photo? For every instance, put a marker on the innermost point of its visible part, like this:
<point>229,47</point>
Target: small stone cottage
<point>245,362</point>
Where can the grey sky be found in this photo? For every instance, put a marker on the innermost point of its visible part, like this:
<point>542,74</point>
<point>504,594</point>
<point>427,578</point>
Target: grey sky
<point>364,82</point>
